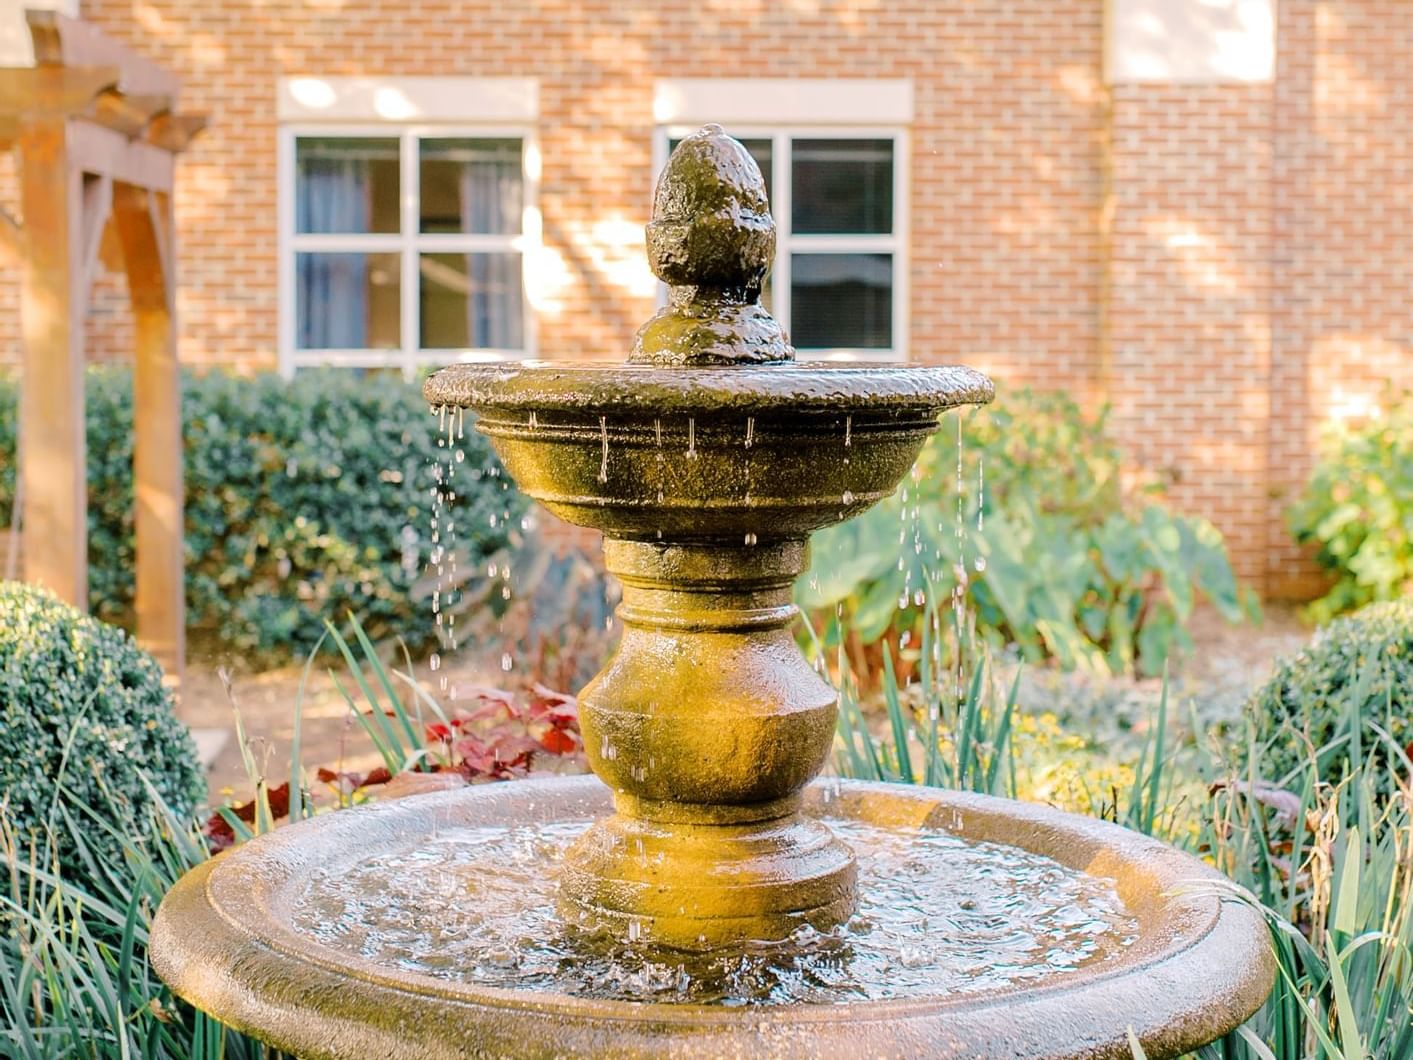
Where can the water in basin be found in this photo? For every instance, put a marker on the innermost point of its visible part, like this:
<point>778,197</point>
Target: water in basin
<point>937,915</point>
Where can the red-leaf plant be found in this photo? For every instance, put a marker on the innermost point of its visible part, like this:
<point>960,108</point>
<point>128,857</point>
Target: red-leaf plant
<point>492,734</point>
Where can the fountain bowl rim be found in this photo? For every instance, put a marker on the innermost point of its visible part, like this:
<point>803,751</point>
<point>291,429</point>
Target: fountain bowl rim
<point>788,387</point>
<point>1201,967</point>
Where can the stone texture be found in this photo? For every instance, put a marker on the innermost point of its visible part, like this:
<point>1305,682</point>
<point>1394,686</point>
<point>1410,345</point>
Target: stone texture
<point>1200,967</point>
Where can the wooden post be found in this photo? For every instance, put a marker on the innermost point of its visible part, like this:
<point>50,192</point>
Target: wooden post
<point>52,439</point>
<point>144,220</point>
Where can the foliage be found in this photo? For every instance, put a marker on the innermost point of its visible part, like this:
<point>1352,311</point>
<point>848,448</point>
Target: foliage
<point>303,498</point>
<point>1358,510</point>
<point>1325,857</point>
<point>1023,512</point>
<point>75,979</point>
<point>1328,865</point>
<point>1331,699</point>
<point>83,710</point>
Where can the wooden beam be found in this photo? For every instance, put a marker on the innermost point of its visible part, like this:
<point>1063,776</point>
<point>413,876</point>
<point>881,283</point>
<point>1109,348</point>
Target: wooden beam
<point>100,150</point>
<point>97,206</point>
<point>52,437</point>
<point>12,248</point>
<point>174,132</point>
<point>62,41</point>
<point>129,115</point>
<point>28,93</point>
<point>144,222</point>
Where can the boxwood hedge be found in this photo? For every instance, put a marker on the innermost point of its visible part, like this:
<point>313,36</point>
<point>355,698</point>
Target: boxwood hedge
<point>304,499</point>
<point>1330,699</point>
<point>83,711</point>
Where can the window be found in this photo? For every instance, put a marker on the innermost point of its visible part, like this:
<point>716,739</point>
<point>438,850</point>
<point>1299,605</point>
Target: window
<point>839,282</point>
<point>403,246</point>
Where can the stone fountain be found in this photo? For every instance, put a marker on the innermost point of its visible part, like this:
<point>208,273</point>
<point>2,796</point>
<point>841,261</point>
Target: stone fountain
<point>707,460</point>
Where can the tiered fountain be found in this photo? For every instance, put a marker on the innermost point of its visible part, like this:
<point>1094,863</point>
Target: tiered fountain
<point>706,898</point>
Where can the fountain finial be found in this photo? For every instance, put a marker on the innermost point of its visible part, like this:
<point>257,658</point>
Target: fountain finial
<point>711,240</point>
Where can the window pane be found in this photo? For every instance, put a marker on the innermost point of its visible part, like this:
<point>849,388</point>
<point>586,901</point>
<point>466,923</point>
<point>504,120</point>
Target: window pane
<point>471,301</point>
<point>346,184</point>
<point>763,151</point>
<point>475,186</point>
<point>842,187</point>
<point>347,301</point>
<point>841,300</point>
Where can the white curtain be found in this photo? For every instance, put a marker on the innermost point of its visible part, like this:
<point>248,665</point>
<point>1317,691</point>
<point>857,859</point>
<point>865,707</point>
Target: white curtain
<point>332,195</point>
<point>491,199</point>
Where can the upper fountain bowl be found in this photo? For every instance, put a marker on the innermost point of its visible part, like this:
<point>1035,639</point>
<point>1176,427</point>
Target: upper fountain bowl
<point>764,452</point>
<point>711,432</point>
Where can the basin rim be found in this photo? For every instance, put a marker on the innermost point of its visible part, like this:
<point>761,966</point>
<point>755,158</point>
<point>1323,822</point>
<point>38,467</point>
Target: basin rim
<point>1202,966</point>
<point>793,387</point>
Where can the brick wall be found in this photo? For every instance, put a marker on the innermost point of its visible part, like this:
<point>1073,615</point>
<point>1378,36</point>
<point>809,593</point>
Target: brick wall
<point>1188,309</point>
<point>1228,264</point>
<point>1342,313</point>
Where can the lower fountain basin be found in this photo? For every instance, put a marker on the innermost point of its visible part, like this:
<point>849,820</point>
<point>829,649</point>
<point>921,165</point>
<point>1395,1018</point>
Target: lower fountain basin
<point>239,938</point>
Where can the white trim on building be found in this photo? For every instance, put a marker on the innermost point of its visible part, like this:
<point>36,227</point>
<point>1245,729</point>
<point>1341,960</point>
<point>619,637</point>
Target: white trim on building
<point>506,100</point>
<point>757,101</point>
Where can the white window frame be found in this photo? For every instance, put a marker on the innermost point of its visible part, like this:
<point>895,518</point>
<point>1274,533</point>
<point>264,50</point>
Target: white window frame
<point>408,241</point>
<point>786,242</point>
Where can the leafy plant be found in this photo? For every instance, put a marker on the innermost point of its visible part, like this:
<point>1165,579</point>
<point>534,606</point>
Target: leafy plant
<point>83,711</point>
<point>1325,857</point>
<point>1022,513</point>
<point>75,979</point>
<point>1327,704</point>
<point>303,498</point>
<point>1357,509</point>
<point>1329,868</point>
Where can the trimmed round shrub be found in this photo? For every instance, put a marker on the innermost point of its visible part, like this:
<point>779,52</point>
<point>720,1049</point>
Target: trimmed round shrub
<point>1328,698</point>
<point>84,721</point>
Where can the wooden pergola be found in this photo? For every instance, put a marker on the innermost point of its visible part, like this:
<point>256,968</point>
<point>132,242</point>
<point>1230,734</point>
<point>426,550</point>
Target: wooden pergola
<point>96,133</point>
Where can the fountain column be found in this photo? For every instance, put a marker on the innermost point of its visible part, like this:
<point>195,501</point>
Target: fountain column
<point>707,723</point>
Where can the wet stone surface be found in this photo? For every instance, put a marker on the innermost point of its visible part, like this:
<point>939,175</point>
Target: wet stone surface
<point>938,915</point>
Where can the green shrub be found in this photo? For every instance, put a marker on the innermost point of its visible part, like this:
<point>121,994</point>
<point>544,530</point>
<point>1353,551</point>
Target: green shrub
<point>83,711</point>
<point>1325,862</point>
<point>1055,560</point>
<point>303,498</point>
<point>1357,510</point>
<point>1327,699</point>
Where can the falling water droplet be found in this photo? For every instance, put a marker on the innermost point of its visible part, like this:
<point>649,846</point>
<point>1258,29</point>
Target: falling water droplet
<point>980,495</point>
<point>848,431</point>
<point>461,456</point>
<point>534,423</point>
<point>506,662</point>
<point>750,430</point>
<point>848,497</point>
<point>435,661</point>
<point>603,435</point>
<point>750,539</point>
<point>692,438</point>
<point>980,564</point>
